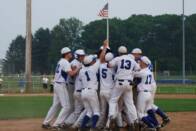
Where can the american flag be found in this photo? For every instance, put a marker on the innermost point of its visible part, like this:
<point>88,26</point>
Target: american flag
<point>104,11</point>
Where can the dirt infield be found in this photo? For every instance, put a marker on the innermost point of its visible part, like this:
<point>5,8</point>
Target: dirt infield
<point>176,96</point>
<point>162,96</point>
<point>181,121</point>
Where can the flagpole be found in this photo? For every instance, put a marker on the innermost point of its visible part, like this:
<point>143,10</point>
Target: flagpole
<point>107,34</point>
<point>108,26</point>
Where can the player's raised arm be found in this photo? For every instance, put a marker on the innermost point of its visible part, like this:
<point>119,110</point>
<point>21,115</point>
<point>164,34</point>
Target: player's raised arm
<point>103,52</point>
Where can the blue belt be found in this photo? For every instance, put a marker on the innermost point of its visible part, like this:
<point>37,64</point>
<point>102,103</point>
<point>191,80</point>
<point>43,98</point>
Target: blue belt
<point>86,88</point>
<point>121,80</point>
<point>71,83</point>
<point>145,91</point>
<point>78,90</point>
<point>60,82</point>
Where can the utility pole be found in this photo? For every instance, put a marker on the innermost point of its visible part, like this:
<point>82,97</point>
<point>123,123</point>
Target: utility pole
<point>183,46</point>
<point>28,49</point>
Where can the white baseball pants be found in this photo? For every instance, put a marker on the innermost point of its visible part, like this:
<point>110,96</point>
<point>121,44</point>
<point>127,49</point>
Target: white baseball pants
<point>123,90</point>
<point>78,107</point>
<point>90,101</point>
<point>144,103</point>
<point>60,100</point>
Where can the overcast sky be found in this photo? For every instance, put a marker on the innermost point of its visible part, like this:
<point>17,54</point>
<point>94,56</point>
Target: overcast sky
<point>46,13</point>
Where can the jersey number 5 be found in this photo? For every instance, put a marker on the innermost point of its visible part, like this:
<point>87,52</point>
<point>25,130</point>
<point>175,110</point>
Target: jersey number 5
<point>104,73</point>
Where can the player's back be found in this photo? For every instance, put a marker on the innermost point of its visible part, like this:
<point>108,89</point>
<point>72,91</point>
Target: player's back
<point>146,79</point>
<point>88,76</point>
<point>106,76</point>
<point>125,67</point>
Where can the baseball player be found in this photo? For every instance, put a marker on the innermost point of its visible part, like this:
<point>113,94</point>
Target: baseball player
<point>78,105</point>
<point>88,77</point>
<point>155,108</point>
<point>137,53</point>
<point>106,85</point>
<point>123,86</point>
<point>61,97</point>
<point>144,98</point>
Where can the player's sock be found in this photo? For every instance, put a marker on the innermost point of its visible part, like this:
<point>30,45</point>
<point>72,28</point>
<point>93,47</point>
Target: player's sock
<point>161,113</point>
<point>95,118</point>
<point>85,121</point>
<point>148,122</point>
<point>153,117</point>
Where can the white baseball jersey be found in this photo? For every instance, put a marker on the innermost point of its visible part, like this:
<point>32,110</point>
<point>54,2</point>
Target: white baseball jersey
<point>147,78</point>
<point>125,67</point>
<point>88,75</point>
<point>78,64</point>
<point>62,68</point>
<point>106,76</point>
<point>75,80</point>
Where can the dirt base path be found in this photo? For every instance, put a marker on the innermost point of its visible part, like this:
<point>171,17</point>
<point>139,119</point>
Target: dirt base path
<point>181,121</point>
<point>163,96</point>
<point>176,96</point>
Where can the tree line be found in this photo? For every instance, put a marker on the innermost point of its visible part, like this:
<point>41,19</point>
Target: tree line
<point>160,38</point>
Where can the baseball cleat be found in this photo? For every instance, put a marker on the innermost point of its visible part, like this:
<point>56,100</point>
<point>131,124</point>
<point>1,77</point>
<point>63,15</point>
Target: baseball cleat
<point>94,129</point>
<point>165,122</point>
<point>46,126</point>
<point>151,129</point>
<point>158,127</point>
<point>106,129</point>
<point>112,124</point>
<point>75,126</point>
<point>64,126</point>
<point>84,129</point>
<point>56,128</point>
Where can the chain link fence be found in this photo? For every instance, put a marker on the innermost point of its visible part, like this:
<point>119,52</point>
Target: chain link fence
<point>17,84</point>
<point>167,84</point>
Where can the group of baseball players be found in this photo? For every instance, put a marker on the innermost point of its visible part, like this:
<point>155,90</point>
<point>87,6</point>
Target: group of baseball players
<point>103,92</point>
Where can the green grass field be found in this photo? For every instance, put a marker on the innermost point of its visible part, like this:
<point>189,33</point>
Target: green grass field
<point>16,107</point>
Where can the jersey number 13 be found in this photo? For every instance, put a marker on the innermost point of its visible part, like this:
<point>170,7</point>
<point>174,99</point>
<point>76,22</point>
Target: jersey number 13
<point>125,64</point>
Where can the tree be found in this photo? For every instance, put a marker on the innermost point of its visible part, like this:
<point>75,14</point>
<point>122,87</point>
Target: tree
<point>40,51</point>
<point>66,33</point>
<point>160,38</point>
<point>15,56</point>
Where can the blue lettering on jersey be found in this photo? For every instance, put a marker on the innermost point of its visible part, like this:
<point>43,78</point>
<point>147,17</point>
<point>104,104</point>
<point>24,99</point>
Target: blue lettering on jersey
<point>57,68</point>
<point>148,79</point>
<point>98,76</point>
<point>125,64</point>
<point>150,67</point>
<point>64,75</point>
<point>104,73</point>
<point>113,77</point>
<point>87,76</point>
